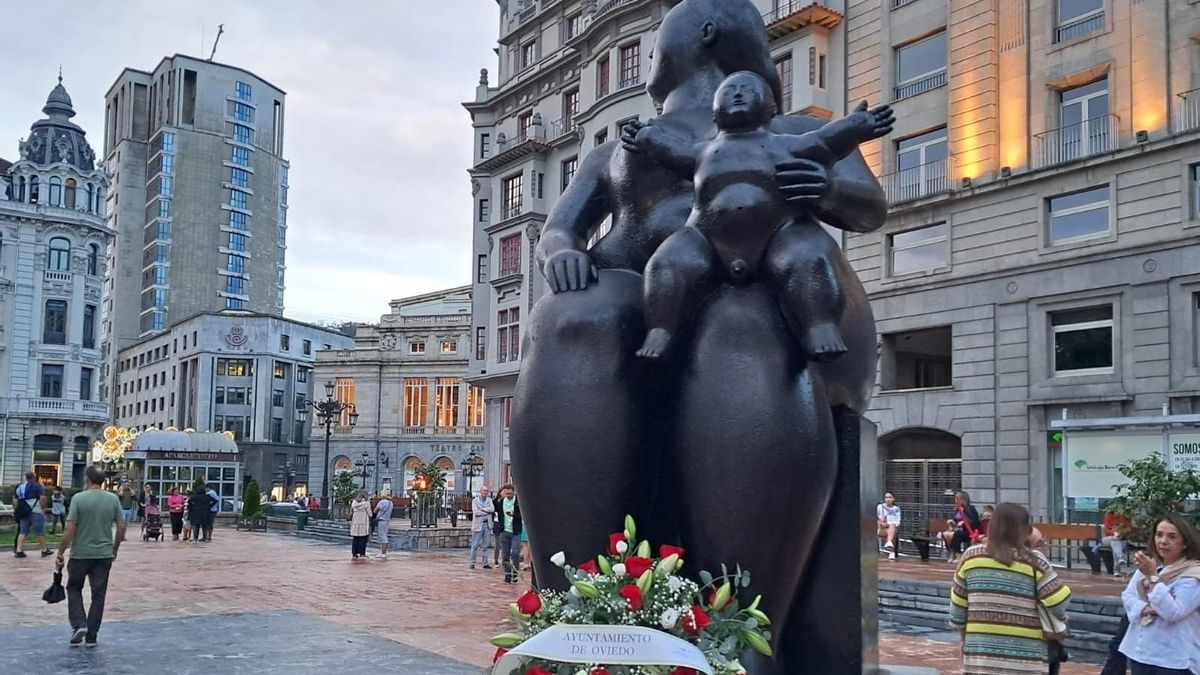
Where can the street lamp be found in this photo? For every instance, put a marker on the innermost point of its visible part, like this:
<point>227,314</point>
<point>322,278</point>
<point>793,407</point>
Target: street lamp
<point>472,466</point>
<point>364,467</point>
<point>328,410</point>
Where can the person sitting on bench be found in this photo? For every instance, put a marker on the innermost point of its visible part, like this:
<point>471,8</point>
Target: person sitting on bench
<point>1116,531</point>
<point>889,524</point>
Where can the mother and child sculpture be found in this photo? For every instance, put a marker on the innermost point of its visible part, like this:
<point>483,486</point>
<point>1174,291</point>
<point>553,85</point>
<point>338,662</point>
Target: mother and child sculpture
<point>703,365</point>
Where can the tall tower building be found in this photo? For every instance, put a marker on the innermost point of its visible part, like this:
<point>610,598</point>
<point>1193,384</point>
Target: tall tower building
<point>52,242</point>
<point>569,75</point>
<point>199,196</point>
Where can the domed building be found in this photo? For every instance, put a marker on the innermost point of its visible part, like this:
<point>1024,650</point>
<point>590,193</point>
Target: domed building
<point>53,245</point>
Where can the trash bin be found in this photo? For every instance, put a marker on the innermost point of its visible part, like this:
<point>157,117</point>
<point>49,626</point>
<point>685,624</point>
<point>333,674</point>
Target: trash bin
<point>301,519</point>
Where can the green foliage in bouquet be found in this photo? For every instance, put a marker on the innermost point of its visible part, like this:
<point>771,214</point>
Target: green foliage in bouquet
<point>629,586</point>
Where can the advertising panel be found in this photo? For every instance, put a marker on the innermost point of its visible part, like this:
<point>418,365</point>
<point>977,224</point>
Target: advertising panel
<point>1091,460</point>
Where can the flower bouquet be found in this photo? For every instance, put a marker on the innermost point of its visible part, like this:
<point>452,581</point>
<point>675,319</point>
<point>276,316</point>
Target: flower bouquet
<point>644,596</point>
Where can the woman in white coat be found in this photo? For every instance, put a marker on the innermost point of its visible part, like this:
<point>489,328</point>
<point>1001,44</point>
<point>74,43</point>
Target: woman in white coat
<point>1162,603</point>
<point>360,525</point>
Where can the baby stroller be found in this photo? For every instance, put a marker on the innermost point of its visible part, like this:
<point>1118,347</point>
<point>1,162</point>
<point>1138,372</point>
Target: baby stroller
<point>152,525</point>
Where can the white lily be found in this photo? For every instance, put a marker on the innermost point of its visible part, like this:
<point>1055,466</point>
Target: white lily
<point>619,569</point>
<point>559,559</point>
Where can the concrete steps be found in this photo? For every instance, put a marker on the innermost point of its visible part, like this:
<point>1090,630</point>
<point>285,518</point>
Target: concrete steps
<point>399,539</point>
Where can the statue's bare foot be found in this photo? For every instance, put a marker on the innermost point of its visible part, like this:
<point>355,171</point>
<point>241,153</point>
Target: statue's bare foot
<point>824,342</point>
<point>657,341</point>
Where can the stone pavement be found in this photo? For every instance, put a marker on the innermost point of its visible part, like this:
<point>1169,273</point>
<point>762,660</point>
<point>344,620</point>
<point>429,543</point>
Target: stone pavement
<point>258,601</point>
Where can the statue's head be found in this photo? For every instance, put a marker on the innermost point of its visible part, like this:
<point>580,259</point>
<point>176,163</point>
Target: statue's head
<point>743,101</point>
<point>727,34</point>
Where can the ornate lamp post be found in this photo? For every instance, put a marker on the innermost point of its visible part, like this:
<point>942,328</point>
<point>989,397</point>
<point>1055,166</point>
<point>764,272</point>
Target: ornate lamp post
<point>364,467</point>
<point>472,466</point>
<point>329,410</point>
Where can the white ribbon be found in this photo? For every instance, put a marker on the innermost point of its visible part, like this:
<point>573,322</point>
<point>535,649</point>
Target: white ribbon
<point>610,645</point>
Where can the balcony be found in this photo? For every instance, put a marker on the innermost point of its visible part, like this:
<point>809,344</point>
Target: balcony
<point>792,15</point>
<point>629,83</point>
<point>918,182</point>
<point>1079,26</point>
<point>1189,110</point>
<point>64,408</point>
<point>920,85</point>
<point>50,275</point>
<point>1075,141</point>
<point>561,127</point>
<point>609,6</point>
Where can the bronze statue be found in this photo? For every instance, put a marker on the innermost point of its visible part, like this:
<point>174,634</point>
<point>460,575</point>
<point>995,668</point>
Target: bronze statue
<point>686,442</point>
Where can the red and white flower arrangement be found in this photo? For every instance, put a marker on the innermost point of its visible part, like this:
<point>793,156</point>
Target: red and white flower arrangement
<point>631,587</point>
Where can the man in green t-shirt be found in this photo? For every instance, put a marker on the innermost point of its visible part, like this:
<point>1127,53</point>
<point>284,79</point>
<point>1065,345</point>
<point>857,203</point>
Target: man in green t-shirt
<point>89,536</point>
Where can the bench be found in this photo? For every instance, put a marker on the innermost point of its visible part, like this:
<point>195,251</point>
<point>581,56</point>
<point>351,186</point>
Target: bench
<point>1071,537</point>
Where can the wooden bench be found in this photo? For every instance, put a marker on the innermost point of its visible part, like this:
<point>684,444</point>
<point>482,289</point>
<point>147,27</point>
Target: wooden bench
<point>1071,537</point>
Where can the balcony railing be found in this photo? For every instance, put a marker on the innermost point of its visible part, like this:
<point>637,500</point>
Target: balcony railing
<point>611,5</point>
<point>561,127</point>
<point>785,8</point>
<point>920,86</point>
<point>49,275</point>
<point>65,407</point>
<point>1079,26</point>
<point>917,182</point>
<point>1189,110</point>
<point>1075,141</point>
<point>631,82</point>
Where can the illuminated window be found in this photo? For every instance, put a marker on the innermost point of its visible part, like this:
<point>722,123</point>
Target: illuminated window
<point>446,414</point>
<point>449,346</point>
<point>344,393</point>
<point>416,401</point>
<point>475,406</point>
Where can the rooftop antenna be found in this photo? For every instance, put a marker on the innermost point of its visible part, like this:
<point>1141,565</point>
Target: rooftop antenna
<point>220,30</point>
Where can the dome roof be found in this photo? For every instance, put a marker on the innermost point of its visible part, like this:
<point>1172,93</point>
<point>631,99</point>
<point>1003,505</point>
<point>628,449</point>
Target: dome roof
<point>56,138</point>
<point>183,441</point>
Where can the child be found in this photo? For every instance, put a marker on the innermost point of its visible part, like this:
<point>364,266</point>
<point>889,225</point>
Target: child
<point>740,220</point>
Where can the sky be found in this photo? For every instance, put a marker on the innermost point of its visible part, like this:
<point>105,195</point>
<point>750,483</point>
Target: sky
<point>379,144</point>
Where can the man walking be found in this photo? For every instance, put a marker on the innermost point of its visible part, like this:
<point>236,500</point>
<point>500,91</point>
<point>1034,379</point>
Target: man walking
<point>29,514</point>
<point>510,533</point>
<point>482,509</point>
<point>89,537</point>
<point>214,505</point>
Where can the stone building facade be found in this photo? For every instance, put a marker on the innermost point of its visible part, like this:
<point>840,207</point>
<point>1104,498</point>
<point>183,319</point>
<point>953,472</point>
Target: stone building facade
<point>406,378</point>
<point>233,370</point>
<point>53,240</point>
<point>1040,258</point>
<point>570,75</point>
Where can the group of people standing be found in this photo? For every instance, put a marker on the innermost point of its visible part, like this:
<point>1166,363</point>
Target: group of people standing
<point>500,518</point>
<point>364,518</point>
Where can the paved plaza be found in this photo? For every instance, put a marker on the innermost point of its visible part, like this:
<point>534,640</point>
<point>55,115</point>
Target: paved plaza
<point>255,602</point>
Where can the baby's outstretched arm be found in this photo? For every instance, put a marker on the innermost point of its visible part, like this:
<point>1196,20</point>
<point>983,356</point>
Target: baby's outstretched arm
<point>839,138</point>
<point>662,146</point>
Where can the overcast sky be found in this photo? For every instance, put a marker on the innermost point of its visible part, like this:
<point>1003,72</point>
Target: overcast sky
<point>379,205</point>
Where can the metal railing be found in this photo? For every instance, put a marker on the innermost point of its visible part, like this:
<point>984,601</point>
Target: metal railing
<point>925,180</point>
<point>1189,110</point>
<point>900,3</point>
<point>1079,26</point>
<point>785,9</point>
<point>561,127</point>
<point>914,87</point>
<point>611,5</point>
<point>1075,141</point>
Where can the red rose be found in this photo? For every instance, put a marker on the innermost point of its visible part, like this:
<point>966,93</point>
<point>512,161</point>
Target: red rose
<point>667,550</point>
<point>635,566</point>
<point>695,620</point>
<point>681,670</point>
<point>600,671</point>
<point>537,670</point>
<point>590,567</point>
<point>529,603</point>
<point>612,542</point>
<point>500,651</point>
<point>634,595</point>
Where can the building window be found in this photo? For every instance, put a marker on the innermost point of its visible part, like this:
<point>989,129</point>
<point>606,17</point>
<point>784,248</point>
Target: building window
<point>480,343</point>
<point>524,123</point>
<point>300,402</point>
<point>485,145</point>
<point>298,439</point>
<point>242,90</point>
<point>166,164</point>
<point>508,335</point>
<point>481,269</point>
<point>344,393</point>
<point>918,359</point>
<point>1076,18</point>
<point>1194,175</point>
<point>93,259</point>
<point>237,220</point>
<point>484,210</point>
<point>416,401</point>
<point>528,54</point>
<point>510,255</point>
<point>1084,123</point>
<point>52,380</point>
<point>55,191</point>
<point>574,25</point>
<point>784,67</point>
<point>237,264</point>
<point>85,384</point>
<point>235,303</point>
<point>168,141</point>
<point>158,321</point>
<point>237,242</point>
<point>449,346</point>
<point>1079,215</point>
<point>240,178</point>
<point>514,192</point>
<point>234,368</point>
<point>165,186</point>
<point>921,66</point>
<point>54,327</point>
<point>446,414</point>
<point>277,398</point>
<point>302,374</point>
<point>241,134</point>
<point>89,327</point>
<point>277,431</point>
<point>922,166</point>
<point>475,407</point>
<point>1083,340</point>
<point>241,156</point>
<point>306,348</point>
<point>235,396</point>
<point>58,255</point>
<point>280,370</point>
<point>417,347</point>
<point>569,167</point>
<point>919,250</point>
<point>821,69</point>
<point>243,113</point>
<point>235,285</point>
<point>237,199</point>
<point>570,110</point>
<point>603,76</point>
<point>631,60</point>
<point>600,138</point>
<point>164,208</point>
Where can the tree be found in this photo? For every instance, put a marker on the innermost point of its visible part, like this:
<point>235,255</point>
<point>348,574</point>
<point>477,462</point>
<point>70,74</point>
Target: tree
<point>252,500</point>
<point>1153,491</point>
<point>343,486</point>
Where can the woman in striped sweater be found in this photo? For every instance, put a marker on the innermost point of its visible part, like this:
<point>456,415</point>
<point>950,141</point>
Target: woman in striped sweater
<point>994,600</point>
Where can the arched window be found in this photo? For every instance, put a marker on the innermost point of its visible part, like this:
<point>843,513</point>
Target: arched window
<point>93,259</point>
<point>55,191</point>
<point>58,258</point>
<point>100,206</point>
<point>21,189</point>
<point>91,205</point>
<point>33,190</point>
<point>69,194</point>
